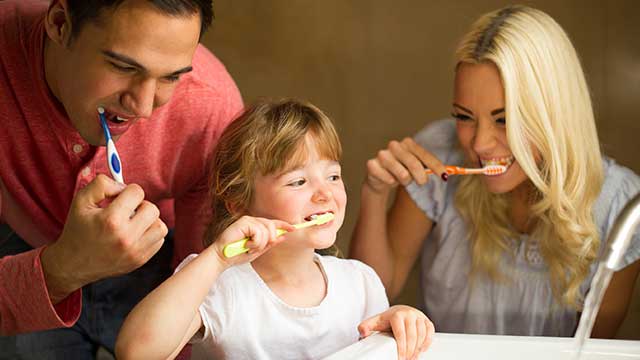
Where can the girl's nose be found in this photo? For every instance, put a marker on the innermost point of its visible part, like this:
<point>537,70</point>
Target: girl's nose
<point>322,194</point>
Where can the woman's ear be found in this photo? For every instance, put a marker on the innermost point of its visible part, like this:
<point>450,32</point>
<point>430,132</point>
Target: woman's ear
<point>57,23</point>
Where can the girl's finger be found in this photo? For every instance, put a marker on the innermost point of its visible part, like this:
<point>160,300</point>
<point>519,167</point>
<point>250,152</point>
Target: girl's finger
<point>397,327</point>
<point>421,335</point>
<point>411,331</point>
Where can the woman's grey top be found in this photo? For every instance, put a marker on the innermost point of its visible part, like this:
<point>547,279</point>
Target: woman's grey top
<point>525,304</point>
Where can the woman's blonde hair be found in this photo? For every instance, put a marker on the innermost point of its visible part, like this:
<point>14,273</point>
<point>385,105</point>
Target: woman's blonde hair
<point>268,138</point>
<point>548,108</point>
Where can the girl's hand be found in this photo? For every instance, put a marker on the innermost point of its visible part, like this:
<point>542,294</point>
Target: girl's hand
<point>400,163</point>
<point>411,328</point>
<point>262,233</point>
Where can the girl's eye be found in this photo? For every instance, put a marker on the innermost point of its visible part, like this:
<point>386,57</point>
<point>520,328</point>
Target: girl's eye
<point>461,117</point>
<point>334,177</point>
<point>299,182</point>
<point>501,121</point>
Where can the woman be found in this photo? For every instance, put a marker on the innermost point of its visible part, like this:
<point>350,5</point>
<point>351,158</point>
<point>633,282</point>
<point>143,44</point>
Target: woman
<point>514,253</point>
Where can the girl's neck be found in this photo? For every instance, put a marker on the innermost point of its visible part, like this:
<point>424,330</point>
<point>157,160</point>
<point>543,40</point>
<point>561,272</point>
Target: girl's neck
<point>290,265</point>
<point>293,276</point>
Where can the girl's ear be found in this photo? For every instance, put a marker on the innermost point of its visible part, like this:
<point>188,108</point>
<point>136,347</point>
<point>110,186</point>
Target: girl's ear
<point>234,209</point>
<point>57,23</point>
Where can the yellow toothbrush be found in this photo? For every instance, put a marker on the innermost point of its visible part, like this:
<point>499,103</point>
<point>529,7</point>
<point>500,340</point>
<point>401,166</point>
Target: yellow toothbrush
<point>237,247</point>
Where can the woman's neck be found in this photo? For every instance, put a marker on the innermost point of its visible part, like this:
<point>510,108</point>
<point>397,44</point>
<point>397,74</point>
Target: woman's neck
<point>521,201</point>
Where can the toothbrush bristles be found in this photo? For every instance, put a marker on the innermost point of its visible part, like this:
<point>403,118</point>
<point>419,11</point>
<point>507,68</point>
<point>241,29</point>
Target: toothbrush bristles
<point>100,110</point>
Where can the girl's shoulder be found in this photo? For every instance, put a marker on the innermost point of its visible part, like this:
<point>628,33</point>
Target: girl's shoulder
<point>354,270</point>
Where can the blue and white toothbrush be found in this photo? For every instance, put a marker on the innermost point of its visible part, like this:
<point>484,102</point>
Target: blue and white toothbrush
<point>113,159</point>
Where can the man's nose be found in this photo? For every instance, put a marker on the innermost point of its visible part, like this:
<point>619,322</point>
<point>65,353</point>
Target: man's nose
<point>140,98</point>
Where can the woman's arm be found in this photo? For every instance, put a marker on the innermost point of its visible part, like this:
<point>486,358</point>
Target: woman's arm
<point>390,241</point>
<point>616,302</point>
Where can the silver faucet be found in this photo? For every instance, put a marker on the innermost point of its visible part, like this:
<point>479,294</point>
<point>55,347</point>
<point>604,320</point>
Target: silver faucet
<point>619,240</point>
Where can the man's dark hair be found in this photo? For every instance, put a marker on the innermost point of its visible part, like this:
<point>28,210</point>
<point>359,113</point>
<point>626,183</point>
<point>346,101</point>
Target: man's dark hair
<point>83,11</point>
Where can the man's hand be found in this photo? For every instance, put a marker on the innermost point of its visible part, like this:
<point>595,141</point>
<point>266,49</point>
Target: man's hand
<point>97,242</point>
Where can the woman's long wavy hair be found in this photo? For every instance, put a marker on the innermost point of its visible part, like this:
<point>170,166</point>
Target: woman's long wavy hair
<point>548,108</point>
<point>268,138</point>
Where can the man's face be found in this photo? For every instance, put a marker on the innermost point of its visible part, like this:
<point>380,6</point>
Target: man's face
<point>129,62</point>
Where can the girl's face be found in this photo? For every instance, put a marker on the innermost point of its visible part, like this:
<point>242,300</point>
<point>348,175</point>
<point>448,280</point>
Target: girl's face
<point>478,106</point>
<point>314,188</point>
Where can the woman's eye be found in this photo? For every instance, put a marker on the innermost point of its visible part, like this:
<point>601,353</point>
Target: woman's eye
<point>461,117</point>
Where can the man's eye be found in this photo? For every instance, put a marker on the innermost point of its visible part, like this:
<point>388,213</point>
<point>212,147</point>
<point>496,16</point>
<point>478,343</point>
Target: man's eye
<point>125,69</point>
<point>172,78</point>
<point>461,117</point>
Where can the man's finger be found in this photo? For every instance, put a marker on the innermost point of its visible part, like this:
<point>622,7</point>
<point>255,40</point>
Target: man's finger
<point>97,191</point>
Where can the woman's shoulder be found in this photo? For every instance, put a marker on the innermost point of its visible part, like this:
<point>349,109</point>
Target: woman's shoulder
<point>620,184</point>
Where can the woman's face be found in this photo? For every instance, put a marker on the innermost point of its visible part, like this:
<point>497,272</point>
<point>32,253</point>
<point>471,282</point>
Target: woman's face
<point>478,106</point>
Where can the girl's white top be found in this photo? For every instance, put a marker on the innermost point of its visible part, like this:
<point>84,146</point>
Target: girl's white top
<point>244,319</point>
<point>524,305</point>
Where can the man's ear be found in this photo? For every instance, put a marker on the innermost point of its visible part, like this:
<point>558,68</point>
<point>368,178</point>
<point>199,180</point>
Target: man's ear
<point>57,23</point>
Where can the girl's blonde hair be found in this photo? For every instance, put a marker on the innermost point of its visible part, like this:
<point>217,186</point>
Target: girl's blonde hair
<point>268,138</point>
<point>548,108</point>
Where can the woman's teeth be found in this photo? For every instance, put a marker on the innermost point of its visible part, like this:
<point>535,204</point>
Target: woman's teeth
<point>504,161</point>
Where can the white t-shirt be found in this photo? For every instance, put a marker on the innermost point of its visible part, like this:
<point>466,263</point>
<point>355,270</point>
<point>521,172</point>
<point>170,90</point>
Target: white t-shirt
<point>244,319</point>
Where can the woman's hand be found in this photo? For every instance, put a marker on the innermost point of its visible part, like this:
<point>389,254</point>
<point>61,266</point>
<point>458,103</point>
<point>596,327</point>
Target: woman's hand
<point>262,234</point>
<point>400,163</point>
<point>411,328</point>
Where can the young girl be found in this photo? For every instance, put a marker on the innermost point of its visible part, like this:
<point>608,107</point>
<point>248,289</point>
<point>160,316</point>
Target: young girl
<point>281,300</point>
<point>511,254</point>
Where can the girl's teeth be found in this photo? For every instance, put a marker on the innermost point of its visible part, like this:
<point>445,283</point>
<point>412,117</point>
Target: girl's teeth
<point>121,119</point>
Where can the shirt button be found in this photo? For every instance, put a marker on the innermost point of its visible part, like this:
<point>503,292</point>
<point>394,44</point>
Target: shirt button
<point>86,172</point>
<point>77,148</point>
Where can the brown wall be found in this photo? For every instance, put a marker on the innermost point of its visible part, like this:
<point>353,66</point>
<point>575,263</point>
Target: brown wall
<point>383,69</point>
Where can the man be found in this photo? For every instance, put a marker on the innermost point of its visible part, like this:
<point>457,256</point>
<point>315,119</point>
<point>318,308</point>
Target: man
<point>70,236</point>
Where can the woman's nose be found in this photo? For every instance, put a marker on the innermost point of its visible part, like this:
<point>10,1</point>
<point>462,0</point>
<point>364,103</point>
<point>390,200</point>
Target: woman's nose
<point>484,139</point>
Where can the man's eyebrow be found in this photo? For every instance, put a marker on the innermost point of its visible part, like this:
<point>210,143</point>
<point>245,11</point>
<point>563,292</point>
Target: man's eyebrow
<point>127,60</point>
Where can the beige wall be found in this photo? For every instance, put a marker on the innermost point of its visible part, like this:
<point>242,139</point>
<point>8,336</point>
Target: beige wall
<point>383,69</point>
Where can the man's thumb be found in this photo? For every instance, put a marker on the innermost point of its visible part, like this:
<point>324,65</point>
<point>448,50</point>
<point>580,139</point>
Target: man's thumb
<point>99,189</point>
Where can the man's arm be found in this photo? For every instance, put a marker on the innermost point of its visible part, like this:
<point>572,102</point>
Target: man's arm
<point>24,298</point>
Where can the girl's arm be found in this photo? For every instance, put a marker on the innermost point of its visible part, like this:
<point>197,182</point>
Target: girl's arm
<point>616,302</point>
<point>390,241</point>
<point>164,321</point>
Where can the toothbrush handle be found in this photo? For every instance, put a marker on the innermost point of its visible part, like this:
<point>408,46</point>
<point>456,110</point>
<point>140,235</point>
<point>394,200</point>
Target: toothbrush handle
<point>451,170</point>
<point>238,247</point>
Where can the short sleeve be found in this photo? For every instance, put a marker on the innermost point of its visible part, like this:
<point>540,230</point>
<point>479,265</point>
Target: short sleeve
<point>439,138</point>
<point>216,307</point>
<point>621,186</point>
<point>375,294</point>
